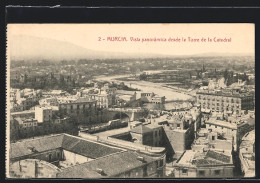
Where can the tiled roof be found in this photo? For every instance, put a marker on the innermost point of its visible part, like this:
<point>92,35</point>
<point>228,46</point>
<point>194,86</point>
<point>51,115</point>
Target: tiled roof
<point>111,165</point>
<point>20,149</point>
<point>218,156</point>
<point>87,148</point>
<point>78,172</point>
<point>67,142</point>
<point>82,100</point>
<point>201,162</point>
<point>209,158</point>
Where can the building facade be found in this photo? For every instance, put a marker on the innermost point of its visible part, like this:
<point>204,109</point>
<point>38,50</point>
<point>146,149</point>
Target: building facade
<point>230,131</point>
<point>82,109</point>
<point>219,101</point>
<point>209,164</point>
<point>152,98</point>
<point>43,114</point>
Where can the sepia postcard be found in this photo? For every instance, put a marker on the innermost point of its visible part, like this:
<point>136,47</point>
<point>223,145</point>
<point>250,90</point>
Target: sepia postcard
<point>150,100</point>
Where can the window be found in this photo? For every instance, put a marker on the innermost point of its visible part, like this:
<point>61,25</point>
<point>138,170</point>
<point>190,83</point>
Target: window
<point>215,126</point>
<point>213,137</point>
<point>184,171</point>
<point>145,173</point>
<point>202,173</point>
<point>50,157</point>
<point>161,162</point>
<point>178,125</point>
<point>217,172</point>
<point>127,174</point>
<point>58,154</point>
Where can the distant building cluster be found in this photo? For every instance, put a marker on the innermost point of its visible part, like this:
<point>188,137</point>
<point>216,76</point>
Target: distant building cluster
<point>31,110</point>
<point>21,100</point>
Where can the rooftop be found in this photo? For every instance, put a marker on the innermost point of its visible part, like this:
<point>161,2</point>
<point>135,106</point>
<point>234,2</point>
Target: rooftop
<point>141,129</point>
<point>250,136</point>
<point>24,120</point>
<point>112,132</point>
<point>110,165</point>
<point>125,92</point>
<point>222,123</point>
<point>208,158</point>
<point>223,93</point>
<point>71,143</point>
<point>44,107</point>
<point>22,112</point>
<point>75,100</point>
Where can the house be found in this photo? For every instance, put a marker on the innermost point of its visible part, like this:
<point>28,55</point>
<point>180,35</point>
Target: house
<point>231,131</point>
<point>152,98</point>
<point>207,164</point>
<point>127,96</point>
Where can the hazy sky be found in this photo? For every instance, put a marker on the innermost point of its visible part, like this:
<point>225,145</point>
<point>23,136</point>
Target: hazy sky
<point>86,35</point>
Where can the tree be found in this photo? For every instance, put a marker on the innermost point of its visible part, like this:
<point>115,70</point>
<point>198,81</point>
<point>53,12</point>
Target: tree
<point>143,77</point>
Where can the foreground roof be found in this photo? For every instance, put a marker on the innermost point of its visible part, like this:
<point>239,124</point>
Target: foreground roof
<point>110,165</point>
<point>74,144</point>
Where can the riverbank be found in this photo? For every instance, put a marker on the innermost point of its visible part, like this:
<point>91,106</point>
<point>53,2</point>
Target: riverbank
<point>146,86</point>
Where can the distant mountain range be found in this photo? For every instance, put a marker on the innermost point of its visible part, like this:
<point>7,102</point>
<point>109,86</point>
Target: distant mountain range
<point>215,54</point>
<point>34,48</point>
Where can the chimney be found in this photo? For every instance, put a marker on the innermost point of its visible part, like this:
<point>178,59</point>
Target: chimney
<point>32,149</point>
<point>140,158</point>
<point>100,171</point>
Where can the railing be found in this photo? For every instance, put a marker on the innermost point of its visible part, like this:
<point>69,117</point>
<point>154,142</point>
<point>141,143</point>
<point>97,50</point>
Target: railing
<point>123,144</point>
<point>125,109</point>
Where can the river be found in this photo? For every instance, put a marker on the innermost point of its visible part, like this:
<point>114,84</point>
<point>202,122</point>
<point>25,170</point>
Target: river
<point>146,86</point>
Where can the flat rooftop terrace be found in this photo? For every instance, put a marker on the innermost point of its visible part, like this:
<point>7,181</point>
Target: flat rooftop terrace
<point>108,133</point>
